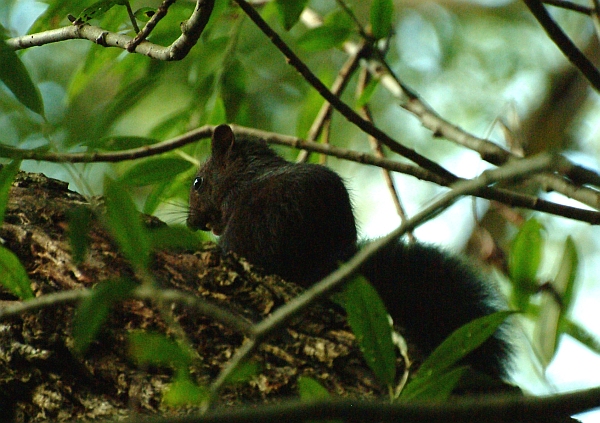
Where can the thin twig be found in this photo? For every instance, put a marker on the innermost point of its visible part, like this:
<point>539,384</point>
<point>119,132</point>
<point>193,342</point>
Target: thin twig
<point>142,293</point>
<point>510,198</point>
<point>337,88</point>
<point>489,151</point>
<point>564,43</point>
<point>340,106</point>
<point>363,80</point>
<point>569,5</point>
<point>190,33</point>
<point>161,12</point>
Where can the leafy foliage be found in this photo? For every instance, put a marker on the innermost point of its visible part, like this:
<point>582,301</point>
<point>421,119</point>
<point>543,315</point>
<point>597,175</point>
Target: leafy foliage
<point>125,225</point>
<point>7,175</point>
<point>382,14</point>
<point>14,74</point>
<point>436,378</point>
<point>551,322</point>
<point>290,10</point>
<point>14,277</point>
<point>337,27</point>
<point>80,219</point>
<point>93,311</point>
<point>524,261</point>
<point>108,100</point>
<point>369,321</point>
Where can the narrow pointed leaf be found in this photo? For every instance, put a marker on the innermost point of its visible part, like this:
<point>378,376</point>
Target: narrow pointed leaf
<point>158,350</point>
<point>93,310</point>
<point>461,342</point>
<point>290,11</point>
<point>13,275</point>
<point>7,176</point>
<point>524,261</point>
<point>382,14</point>
<point>551,324</point>
<point>437,387</point>
<point>15,76</point>
<point>369,321</point>
<point>154,171</point>
<point>125,224</point>
<point>80,219</point>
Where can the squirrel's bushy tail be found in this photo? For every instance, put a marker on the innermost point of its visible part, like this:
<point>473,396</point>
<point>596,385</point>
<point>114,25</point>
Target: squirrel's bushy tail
<point>430,293</point>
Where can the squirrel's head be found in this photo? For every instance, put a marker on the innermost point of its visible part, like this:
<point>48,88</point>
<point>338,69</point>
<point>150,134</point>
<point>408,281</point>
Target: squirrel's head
<point>232,164</point>
<point>208,188</point>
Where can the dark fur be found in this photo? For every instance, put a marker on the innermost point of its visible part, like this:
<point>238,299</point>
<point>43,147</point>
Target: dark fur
<point>296,220</point>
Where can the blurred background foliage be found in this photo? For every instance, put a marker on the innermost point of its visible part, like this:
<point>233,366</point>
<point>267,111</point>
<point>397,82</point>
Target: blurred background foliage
<point>485,66</point>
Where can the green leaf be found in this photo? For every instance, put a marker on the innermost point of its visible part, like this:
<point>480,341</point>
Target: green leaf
<point>367,93</point>
<point>7,176</point>
<point>581,334</point>
<point>337,28</point>
<point>436,387</point>
<point>461,342</point>
<point>155,170</point>
<point>551,324</point>
<point>184,391</point>
<point>218,114</point>
<point>437,368</point>
<point>156,196</point>
<point>14,74</point>
<point>115,143</point>
<point>233,88</point>
<point>564,282</point>
<point>13,275</point>
<point>144,14</point>
<point>93,311</point>
<point>80,219</point>
<point>158,350</point>
<point>243,373</point>
<point>524,261</point>
<point>382,14</point>
<point>369,321</point>
<point>310,389</point>
<point>290,11</point>
<point>174,238</point>
<point>125,225</point>
<point>96,10</point>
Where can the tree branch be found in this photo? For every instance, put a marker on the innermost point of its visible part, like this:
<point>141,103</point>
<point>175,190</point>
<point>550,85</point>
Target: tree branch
<point>482,408</point>
<point>191,31</point>
<point>564,43</point>
<point>340,106</point>
<point>568,5</point>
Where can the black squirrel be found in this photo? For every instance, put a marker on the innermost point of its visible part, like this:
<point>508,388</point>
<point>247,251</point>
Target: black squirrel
<point>296,220</point>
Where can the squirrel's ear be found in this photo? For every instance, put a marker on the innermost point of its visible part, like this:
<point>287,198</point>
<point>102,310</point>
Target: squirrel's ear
<point>222,141</point>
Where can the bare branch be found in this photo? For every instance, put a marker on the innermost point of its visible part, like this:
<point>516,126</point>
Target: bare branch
<point>191,31</point>
<point>564,43</point>
<point>568,5</point>
<point>340,106</point>
<point>481,408</point>
<point>161,12</point>
<point>219,314</point>
<point>489,151</point>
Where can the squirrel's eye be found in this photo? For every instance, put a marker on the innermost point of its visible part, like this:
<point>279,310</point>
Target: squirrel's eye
<point>198,182</point>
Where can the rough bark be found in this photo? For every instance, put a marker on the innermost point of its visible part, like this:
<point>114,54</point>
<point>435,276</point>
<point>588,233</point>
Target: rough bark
<point>41,378</point>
